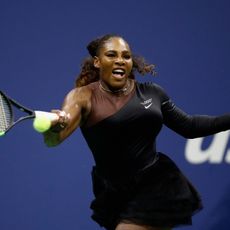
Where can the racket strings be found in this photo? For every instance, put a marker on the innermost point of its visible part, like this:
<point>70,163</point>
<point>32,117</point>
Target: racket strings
<point>5,114</point>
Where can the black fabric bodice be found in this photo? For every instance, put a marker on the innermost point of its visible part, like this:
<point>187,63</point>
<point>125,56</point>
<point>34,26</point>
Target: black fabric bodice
<point>124,143</point>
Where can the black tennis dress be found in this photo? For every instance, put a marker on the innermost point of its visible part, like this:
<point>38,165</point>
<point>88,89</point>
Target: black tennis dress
<point>132,181</point>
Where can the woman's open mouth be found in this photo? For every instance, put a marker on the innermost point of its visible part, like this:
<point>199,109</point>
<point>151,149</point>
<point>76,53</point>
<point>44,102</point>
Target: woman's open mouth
<point>118,73</point>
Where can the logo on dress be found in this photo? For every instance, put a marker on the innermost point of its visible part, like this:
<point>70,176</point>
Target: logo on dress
<point>147,103</point>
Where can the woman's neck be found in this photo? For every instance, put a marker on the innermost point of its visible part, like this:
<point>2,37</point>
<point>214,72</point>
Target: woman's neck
<point>126,89</point>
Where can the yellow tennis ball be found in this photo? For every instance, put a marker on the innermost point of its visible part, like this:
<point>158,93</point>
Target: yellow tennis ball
<point>41,124</point>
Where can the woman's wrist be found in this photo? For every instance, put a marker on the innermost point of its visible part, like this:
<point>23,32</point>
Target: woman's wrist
<point>62,121</point>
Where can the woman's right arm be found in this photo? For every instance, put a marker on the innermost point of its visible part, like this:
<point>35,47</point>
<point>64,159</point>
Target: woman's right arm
<point>75,109</point>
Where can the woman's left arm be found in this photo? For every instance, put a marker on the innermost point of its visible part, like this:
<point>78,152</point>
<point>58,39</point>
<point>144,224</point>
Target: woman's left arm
<point>193,126</point>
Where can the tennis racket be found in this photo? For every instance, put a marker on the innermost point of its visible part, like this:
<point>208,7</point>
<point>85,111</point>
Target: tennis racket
<point>7,113</point>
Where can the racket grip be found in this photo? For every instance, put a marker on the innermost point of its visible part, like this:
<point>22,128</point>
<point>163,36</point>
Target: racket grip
<point>50,116</point>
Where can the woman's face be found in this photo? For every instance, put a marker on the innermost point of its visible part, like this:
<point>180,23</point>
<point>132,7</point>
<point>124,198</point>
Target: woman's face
<point>114,62</point>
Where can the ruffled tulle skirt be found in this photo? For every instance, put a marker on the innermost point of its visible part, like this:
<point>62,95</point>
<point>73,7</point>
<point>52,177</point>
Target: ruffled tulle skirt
<point>159,196</point>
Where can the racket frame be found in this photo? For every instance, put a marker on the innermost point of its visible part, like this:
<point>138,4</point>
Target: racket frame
<point>10,103</point>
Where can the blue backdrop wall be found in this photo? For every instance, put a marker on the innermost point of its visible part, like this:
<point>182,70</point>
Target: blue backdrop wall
<point>42,44</point>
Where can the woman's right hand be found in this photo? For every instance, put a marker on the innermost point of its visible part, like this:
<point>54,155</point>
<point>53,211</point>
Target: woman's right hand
<point>70,115</point>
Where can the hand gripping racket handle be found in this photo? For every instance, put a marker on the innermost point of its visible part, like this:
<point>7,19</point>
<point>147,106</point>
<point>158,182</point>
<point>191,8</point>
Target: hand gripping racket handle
<point>43,120</point>
<point>50,116</point>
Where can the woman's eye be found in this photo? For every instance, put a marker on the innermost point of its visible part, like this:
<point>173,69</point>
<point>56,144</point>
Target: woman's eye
<point>110,55</point>
<point>127,56</point>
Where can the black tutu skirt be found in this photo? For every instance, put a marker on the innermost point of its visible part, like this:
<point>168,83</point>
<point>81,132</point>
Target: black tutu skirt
<point>159,196</point>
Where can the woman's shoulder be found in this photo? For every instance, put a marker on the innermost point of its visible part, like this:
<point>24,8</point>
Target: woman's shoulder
<point>150,85</point>
<point>81,94</point>
<point>86,89</point>
<point>153,88</point>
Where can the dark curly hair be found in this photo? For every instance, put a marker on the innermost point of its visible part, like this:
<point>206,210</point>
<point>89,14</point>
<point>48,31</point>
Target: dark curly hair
<point>90,74</point>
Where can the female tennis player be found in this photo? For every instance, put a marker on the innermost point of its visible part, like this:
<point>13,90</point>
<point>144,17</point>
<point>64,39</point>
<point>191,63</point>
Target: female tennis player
<point>136,187</point>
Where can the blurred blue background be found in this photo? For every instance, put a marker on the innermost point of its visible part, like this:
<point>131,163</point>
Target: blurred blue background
<point>42,44</point>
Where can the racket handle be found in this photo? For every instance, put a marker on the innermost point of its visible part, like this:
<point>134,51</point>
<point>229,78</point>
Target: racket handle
<point>50,116</point>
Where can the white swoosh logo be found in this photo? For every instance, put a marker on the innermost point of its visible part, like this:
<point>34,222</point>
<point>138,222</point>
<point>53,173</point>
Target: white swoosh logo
<point>147,106</point>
